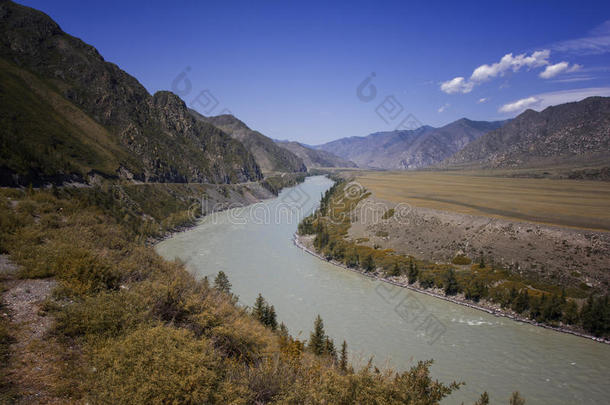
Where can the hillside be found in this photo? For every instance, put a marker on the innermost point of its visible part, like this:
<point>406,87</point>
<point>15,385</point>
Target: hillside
<point>269,156</point>
<point>569,134</point>
<point>67,114</point>
<point>313,157</point>
<point>409,149</point>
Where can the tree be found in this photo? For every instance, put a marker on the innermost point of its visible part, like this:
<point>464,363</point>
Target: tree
<point>270,318</point>
<point>221,283</point>
<point>476,290</point>
<point>259,308</point>
<point>413,272</point>
<point>483,399</point>
<point>283,330</point>
<point>343,357</point>
<point>317,338</point>
<point>595,316</point>
<point>482,262</point>
<point>451,284</point>
<point>395,269</point>
<point>570,313</point>
<point>329,349</point>
<point>522,302</point>
<point>516,399</point>
<point>368,263</point>
<point>264,312</point>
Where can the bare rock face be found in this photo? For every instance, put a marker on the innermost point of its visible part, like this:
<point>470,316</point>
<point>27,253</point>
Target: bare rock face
<point>156,134</point>
<point>572,133</point>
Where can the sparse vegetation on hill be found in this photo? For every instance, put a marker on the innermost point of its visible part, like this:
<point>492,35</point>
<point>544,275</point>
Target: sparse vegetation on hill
<point>134,328</point>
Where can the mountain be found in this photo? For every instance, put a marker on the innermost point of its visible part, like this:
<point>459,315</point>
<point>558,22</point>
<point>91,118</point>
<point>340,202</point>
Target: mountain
<point>67,114</point>
<point>409,149</point>
<point>567,134</point>
<point>314,158</point>
<point>269,156</point>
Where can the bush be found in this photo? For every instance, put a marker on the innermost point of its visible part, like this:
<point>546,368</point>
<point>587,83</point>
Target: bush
<point>160,365</point>
<point>107,314</point>
<point>81,272</point>
<point>461,260</point>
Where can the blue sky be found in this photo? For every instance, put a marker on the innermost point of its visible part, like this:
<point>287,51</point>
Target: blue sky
<point>292,70</point>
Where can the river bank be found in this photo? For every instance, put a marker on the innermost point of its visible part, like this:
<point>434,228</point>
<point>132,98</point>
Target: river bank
<point>489,353</point>
<point>305,243</point>
<point>212,199</point>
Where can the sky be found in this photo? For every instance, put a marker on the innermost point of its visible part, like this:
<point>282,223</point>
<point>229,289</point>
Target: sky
<point>317,71</point>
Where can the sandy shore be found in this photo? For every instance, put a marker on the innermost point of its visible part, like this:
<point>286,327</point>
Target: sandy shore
<point>301,243</point>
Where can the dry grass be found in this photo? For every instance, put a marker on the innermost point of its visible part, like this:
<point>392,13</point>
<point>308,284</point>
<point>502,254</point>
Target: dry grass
<point>573,203</point>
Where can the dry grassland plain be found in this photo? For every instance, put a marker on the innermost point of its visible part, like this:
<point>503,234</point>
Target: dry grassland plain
<point>573,203</point>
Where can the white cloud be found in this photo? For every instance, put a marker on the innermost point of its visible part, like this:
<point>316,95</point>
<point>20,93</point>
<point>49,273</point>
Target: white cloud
<point>541,101</point>
<point>457,85</point>
<point>486,72</point>
<point>574,79</point>
<point>518,105</point>
<point>510,62</point>
<point>597,42</point>
<point>482,100</point>
<point>558,68</point>
<point>443,107</point>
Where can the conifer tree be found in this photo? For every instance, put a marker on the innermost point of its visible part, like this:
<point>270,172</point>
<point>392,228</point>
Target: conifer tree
<point>259,308</point>
<point>329,348</point>
<point>451,284</point>
<point>413,272</point>
<point>317,338</point>
<point>483,399</point>
<point>221,283</point>
<point>395,270</point>
<point>368,263</point>
<point>270,317</point>
<point>343,357</point>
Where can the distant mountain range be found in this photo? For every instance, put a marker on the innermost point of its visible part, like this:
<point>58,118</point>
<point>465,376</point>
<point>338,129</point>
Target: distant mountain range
<point>314,158</point>
<point>568,134</point>
<point>409,149</point>
<point>269,156</point>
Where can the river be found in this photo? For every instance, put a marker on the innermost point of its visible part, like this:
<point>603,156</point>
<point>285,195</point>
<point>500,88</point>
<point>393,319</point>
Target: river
<point>398,327</point>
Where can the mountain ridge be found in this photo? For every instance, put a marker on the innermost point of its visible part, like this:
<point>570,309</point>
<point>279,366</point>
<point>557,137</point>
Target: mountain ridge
<point>269,156</point>
<point>154,136</point>
<point>570,133</point>
<point>315,158</point>
<point>409,149</point>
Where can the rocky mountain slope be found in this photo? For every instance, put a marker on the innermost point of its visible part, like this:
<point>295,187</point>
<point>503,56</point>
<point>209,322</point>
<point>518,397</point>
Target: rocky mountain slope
<point>571,134</point>
<point>314,157</point>
<point>269,156</point>
<point>409,149</point>
<point>66,113</point>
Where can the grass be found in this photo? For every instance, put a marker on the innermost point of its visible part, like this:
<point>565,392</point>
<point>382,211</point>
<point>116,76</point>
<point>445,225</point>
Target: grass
<point>572,203</point>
